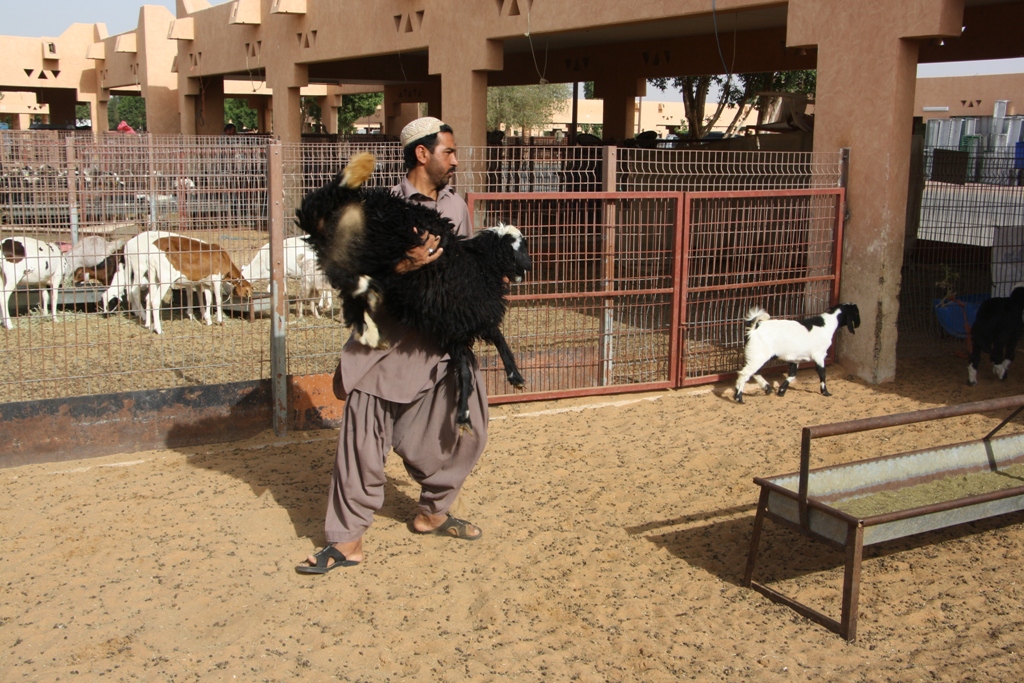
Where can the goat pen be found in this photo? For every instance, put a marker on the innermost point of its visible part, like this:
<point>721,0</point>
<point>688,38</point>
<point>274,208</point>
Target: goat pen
<point>645,261</point>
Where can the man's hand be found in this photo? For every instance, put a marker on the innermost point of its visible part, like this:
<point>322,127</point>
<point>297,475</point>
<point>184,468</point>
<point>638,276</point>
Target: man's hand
<point>420,256</point>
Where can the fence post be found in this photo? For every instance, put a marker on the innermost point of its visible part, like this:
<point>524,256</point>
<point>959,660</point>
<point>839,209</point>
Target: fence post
<point>606,350</point>
<point>151,165</point>
<point>69,145</point>
<point>278,301</point>
<point>610,168</point>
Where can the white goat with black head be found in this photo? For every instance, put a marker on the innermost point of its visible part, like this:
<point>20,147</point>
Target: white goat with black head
<point>794,341</point>
<point>361,234</point>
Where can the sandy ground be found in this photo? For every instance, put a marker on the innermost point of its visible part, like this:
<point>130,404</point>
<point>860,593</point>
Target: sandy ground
<point>616,532</point>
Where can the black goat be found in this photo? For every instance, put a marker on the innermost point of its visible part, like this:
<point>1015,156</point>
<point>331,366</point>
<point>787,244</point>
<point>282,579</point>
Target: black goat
<point>360,235</point>
<point>996,331</point>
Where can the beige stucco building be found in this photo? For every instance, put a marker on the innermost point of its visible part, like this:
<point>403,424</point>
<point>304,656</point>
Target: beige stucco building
<point>445,53</point>
<point>940,98</point>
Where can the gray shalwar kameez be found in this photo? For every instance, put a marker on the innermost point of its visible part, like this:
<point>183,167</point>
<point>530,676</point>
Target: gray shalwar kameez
<point>402,397</point>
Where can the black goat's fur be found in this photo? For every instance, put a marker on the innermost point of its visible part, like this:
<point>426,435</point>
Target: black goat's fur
<point>996,331</point>
<point>360,235</point>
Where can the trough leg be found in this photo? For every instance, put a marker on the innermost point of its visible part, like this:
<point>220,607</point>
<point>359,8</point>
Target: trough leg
<point>851,581</point>
<point>755,538</point>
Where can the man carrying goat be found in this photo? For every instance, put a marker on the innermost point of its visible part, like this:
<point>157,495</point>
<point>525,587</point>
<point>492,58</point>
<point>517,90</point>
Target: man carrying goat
<point>403,396</point>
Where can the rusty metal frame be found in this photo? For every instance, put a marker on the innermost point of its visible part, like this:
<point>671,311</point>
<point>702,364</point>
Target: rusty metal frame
<point>854,543</point>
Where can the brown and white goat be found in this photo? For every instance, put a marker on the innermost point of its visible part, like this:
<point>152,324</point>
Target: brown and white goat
<point>101,273</point>
<point>25,260</point>
<point>164,260</point>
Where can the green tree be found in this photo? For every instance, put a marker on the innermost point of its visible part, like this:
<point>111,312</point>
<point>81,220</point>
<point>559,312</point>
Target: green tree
<point>524,107</point>
<point>355,107</point>
<point>695,94</point>
<point>238,112</point>
<point>588,90</point>
<point>130,109</point>
<point>740,91</point>
<point>83,114</point>
<point>745,98</point>
<point>312,115</point>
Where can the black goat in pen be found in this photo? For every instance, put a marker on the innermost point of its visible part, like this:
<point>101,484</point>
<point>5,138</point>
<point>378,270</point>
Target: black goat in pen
<point>361,234</point>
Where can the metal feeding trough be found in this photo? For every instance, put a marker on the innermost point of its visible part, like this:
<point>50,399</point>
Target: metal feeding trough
<point>813,501</point>
<point>258,306</point>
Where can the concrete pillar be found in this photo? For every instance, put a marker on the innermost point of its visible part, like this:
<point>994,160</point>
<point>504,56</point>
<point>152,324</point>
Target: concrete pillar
<point>98,113</point>
<point>162,110</point>
<point>284,82</point>
<point>433,104</point>
<point>210,106</point>
<point>401,104</point>
<point>62,105</point>
<point>619,104</point>
<point>263,115</point>
<point>159,84</point>
<point>463,66</point>
<point>188,91</point>
<point>286,117</point>
<point>329,113</point>
<point>861,63</point>
<point>464,105</point>
<point>201,103</point>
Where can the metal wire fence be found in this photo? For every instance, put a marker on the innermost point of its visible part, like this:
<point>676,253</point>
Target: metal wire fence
<point>601,311</point>
<point>777,250</point>
<point>964,244</point>
<point>92,198</point>
<point>597,310</point>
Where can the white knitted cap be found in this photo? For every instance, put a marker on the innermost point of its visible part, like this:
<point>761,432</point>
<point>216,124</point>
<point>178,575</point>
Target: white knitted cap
<point>420,128</point>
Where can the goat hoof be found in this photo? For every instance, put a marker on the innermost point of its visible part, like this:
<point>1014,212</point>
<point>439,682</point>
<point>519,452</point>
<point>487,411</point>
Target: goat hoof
<point>466,429</point>
<point>767,390</point>
<point>825,393</point>
<point>971,384</point>
<point>738,398</point>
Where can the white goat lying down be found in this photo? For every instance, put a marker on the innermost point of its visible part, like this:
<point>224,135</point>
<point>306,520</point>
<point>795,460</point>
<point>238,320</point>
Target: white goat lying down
<point>794,341</point>
<point>162,260</point>
<point>300,263</point>
<point>34,262</point>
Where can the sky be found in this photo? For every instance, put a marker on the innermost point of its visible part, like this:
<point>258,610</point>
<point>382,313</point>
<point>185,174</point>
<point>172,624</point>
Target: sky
<point>49,18</point>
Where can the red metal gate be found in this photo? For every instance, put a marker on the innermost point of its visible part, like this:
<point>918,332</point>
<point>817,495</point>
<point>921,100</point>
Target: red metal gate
<point>597,314</point>
<point>776,249</point>
<point>612,307</point>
